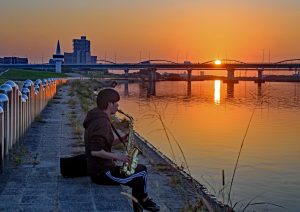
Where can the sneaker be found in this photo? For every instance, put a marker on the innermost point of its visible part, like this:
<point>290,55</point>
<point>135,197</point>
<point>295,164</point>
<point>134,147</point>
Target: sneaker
<point>149,205</point>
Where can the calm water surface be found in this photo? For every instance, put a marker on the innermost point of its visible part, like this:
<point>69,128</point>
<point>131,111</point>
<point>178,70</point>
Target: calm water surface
<point>209,120</point>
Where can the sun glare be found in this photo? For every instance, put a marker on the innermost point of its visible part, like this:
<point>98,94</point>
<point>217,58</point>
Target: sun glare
<point>218,62</point>
<point>217,94</point>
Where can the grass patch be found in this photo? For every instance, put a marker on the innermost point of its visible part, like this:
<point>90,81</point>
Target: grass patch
<point>17,155</point>
<point>163,167</point>
<point>15,74</point>
<point>76,125</point>
<point>72,103</point>
<point>73,112</point>
<point>85,93</point>
<point>77,129</point>
<point>198,207</point>
<point>3,80</point>
<point>175,181</point>
<point>71,93</point>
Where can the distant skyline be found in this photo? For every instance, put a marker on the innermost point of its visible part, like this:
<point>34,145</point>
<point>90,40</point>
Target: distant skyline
<point>192,30</point>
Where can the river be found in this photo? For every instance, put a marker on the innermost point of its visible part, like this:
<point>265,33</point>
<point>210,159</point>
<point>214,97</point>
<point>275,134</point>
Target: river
<point>209,119</point>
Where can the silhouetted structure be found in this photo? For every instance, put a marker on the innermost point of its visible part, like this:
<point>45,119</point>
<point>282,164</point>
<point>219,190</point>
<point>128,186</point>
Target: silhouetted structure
<point>14,60</point>
<point>58,58</point>
<point>81,53</point>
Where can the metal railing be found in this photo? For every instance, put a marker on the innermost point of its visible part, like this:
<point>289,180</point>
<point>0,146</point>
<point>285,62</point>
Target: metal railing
<point>19,107</point>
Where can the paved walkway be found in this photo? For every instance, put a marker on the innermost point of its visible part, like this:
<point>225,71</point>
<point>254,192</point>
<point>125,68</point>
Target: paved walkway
<point>35,183</point>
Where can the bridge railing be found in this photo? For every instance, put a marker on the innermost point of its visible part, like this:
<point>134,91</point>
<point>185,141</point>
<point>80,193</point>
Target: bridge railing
<point>19,107</point>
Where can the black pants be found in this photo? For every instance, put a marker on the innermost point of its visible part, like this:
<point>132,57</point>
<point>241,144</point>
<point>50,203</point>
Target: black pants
<point>137,181</point>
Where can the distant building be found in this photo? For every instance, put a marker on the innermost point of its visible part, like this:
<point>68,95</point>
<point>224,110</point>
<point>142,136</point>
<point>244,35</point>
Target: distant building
<point>57,55</point>
<point>81,53</point>
<point>14,60</point>
<point>93,59</point>
<point>69,58</point>
<point>297,74</point>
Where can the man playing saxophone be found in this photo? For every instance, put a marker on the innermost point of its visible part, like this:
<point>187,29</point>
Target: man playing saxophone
<point>99,139</point>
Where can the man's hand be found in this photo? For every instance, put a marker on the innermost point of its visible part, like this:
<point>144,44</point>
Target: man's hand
<point>122,158</point>
<point>125,137</point>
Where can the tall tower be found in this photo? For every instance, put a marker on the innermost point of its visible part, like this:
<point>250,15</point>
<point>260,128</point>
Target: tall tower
<point>82,50</point>
<point>58,58</point>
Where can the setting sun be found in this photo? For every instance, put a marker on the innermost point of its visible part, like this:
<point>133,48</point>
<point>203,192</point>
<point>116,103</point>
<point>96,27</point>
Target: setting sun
<point>218,62</point>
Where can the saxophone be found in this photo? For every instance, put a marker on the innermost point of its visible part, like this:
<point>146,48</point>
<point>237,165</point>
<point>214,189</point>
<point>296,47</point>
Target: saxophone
<point>131,149</point>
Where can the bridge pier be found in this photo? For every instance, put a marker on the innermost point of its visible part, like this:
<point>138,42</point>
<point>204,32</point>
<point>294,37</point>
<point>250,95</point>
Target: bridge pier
<point>189,88</point>
<point>189,76</point>
<point>230,90</point>
<point>151,91</point>
<point>259,76</point>
<point>126,71</point>
<point>230,76</point>
<point>152,75</point>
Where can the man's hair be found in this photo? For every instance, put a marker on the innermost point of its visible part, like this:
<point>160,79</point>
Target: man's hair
<point>105,96</point>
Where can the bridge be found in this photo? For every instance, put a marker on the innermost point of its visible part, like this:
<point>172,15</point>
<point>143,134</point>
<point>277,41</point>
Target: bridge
<point>153,65</point>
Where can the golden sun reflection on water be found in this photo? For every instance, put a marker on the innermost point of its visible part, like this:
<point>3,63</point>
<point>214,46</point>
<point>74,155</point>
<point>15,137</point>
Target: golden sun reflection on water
<point>210,133</point>
<point>217,94</point>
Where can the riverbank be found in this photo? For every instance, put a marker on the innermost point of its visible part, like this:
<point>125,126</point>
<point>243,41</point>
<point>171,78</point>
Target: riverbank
<point>22,75</point>
<point>31,180</point>
<point>175,189</point>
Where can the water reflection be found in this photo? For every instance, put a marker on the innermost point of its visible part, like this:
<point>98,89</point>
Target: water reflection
<point>151,88</point>
<point>189,89</point>
<point>270,157</point>
<point>126,91</point>
<point>274,132</point>
<point>217,95</point>
<point>230,90</point>
<point>142,88</point>
<point>259,90</point>
<point>279,95</point>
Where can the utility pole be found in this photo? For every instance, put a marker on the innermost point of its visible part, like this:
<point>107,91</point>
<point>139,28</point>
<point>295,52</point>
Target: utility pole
<point>140,56</point>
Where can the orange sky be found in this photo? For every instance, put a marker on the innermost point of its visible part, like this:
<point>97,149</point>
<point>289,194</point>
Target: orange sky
<point>194,30</point>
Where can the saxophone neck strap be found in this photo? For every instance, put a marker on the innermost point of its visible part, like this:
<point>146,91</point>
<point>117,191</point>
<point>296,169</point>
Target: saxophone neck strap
<point>117,133</point>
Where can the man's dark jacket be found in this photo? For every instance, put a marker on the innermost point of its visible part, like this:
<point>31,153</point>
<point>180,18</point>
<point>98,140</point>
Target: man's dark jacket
<point>98,136</point>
